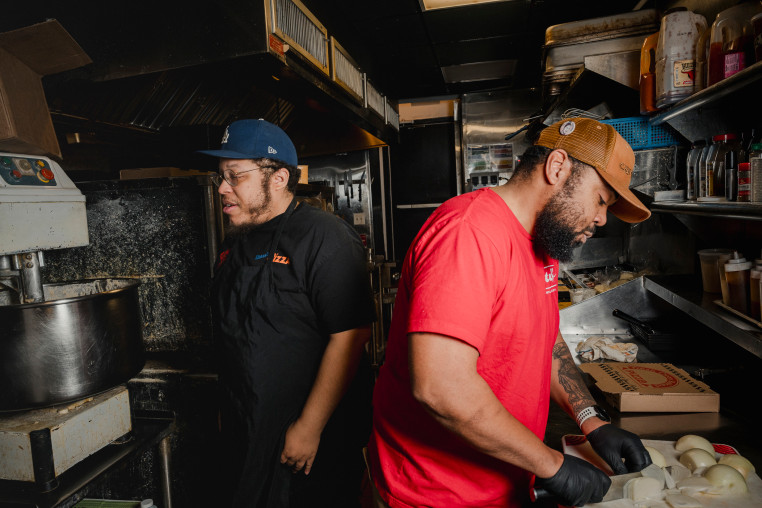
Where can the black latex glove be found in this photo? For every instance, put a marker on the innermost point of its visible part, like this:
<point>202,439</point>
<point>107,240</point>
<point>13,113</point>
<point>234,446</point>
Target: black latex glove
<point>613,444</point>
<point>576,483</point>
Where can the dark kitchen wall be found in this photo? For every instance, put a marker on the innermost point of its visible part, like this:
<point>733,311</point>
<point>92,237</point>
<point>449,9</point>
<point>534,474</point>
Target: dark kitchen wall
<point>157,231</point>
<point>424,175</point>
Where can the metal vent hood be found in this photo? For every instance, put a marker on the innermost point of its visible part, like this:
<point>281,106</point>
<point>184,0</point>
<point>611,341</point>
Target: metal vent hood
<point>162,68</point>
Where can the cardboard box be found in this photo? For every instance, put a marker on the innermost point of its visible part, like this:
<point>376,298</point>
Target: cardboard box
<point>426,110</point>
<point>652,387</point>
<point>304,173</point>
<point>26,55</point>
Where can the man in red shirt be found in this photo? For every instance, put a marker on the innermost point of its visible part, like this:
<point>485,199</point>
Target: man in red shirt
<point>474,353</point>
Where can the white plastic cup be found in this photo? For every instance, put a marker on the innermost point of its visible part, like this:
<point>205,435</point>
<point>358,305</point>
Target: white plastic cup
<point>581,294</point>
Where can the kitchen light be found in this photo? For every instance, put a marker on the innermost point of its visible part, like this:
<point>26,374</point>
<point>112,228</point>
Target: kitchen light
<point>429,5</point>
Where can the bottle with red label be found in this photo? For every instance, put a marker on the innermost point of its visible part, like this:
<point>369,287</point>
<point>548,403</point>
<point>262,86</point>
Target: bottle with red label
<point>731,45</point>
<point>676,55</point>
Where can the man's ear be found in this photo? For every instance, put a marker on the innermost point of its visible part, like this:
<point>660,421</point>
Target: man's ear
<point>279,179</point>
<point>558,167</point>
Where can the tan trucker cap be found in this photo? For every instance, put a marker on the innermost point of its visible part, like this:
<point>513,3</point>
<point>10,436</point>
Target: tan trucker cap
<point>600,146</point>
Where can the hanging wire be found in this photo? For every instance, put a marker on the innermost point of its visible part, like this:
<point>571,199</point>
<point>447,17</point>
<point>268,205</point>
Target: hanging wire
<point>580,113</point>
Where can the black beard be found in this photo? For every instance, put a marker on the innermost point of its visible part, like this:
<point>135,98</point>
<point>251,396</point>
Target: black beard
<point>239,230</point>
<point>553,233</point>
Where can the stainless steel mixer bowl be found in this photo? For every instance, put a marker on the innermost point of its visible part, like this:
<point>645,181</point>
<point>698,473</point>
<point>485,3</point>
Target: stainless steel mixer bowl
<point>86,337</point>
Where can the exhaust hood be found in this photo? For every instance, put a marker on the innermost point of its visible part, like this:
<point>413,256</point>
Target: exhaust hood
<point>158,67</point>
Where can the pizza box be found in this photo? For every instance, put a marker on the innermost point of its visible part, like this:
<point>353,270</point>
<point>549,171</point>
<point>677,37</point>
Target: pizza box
<point>651,387</point>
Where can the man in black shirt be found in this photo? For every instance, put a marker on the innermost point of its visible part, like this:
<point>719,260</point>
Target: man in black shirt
<point>292,307</point>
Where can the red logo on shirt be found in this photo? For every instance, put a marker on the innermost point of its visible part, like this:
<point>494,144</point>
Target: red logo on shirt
<point>223,257</point>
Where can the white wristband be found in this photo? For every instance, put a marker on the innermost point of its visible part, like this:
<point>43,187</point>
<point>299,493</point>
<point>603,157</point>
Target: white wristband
<point>585,414</point>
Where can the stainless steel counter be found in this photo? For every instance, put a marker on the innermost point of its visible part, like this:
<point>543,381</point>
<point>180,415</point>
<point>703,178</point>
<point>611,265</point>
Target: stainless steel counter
<point>715,343</point>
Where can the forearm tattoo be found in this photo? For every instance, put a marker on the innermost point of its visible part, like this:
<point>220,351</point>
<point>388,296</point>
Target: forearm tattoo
<point>571,380</point>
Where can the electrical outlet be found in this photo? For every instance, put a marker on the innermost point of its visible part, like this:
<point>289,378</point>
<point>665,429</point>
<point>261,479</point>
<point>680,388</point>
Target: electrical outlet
<point>359,219</point>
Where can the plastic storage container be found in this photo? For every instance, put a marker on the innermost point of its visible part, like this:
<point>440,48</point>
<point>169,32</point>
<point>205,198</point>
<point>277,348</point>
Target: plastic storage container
<point>715,163</point>
<point>702,57</point>
<point>731,44</point>
<point>737,275</point>
<point>647,81</point>
<point>710,275</point>
<point>754,281</point>
<point>692,169</point>
<point>707,170</point>
<point>676,55</point>
<point>731,175</point>
<point>701,171</point>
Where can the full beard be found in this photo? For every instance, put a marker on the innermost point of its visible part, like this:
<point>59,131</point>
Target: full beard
<point>554,232</point>
<point>253,214</point>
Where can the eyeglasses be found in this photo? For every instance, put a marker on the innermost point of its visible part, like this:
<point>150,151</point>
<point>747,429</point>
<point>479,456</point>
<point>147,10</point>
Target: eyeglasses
<point>231,177</point>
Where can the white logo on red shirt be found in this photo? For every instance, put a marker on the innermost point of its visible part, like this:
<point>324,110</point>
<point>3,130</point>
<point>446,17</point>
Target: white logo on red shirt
<point>551,276</point>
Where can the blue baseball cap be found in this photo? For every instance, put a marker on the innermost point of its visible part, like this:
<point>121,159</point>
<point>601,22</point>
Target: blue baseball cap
<point>255,139</point>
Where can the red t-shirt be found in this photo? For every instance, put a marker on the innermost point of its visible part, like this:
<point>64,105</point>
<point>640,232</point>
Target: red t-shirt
<point>471,273</point>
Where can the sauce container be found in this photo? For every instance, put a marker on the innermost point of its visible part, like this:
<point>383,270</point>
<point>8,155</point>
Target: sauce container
<point>737,274</point>
<point>710,274</point>
<point>676,55</point>
<point>755,277</point>
<point>731,45</point>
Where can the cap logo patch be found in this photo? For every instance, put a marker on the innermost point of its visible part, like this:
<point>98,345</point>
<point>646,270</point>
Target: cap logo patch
<point>225,136</point>
<point>567,128</point>
<point>624,168</point>
<point>272,150</point>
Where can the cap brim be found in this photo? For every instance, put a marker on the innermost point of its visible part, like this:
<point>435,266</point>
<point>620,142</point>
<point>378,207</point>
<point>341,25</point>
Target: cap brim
<point>627,207</point>
<point>225,154</point>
